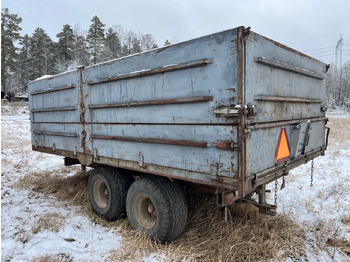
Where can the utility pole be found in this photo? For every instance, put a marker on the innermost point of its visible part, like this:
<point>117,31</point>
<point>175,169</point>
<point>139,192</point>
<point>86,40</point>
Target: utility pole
<point>339,65</point>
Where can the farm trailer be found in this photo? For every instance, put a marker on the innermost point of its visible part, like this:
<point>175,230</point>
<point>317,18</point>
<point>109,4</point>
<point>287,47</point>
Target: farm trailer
<point>226,113</point>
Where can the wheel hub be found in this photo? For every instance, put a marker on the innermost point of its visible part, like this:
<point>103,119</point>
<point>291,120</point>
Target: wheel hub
<point>145,212</point>
<point>101,193</point>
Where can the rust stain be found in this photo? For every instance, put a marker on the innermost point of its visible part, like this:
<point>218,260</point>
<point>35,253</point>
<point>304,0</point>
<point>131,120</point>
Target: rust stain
<point>162,49</point>
<point>226,145</point>
<point>155,102</point>
<point>152,140</point>
<point>231,89</point>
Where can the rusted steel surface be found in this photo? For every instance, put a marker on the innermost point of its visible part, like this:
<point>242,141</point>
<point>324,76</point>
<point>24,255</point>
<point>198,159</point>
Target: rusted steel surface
<point>286,99</point>
<point>155,102</point>
<point>148,72</point>
<point>71,108</point>
<point>152,140</point>
<point>208,111</point>
<point>284,123</point>
<point>242,117</point>
<point>55,134</point>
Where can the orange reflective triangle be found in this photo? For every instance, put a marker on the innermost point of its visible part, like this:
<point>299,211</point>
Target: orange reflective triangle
<point>283,149</point>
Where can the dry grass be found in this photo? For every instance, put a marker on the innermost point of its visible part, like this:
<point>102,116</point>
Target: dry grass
<point>14,108</point>
<point>341,243</point>
<point>247,236</point>
<point>48,221</point>
<point>72,188</point>
<point>339,133</point>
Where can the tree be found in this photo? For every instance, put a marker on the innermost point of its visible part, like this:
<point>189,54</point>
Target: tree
<point>24,69</point>
<point>136,48</point>
<point>95,39</point>
<point>167,43</point>
<point>42,53</point>
<point>65,46</point>
<point>112,45</point>
<point>9,35</point>
<point>147,42</point>
<point>80,51</point>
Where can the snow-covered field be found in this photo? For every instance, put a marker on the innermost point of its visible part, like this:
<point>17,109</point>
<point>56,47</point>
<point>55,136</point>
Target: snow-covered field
<point>41,225</point>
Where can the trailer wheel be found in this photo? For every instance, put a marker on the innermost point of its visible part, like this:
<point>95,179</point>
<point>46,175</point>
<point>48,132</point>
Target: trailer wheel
<point>107,191</point>
<point>157,207</point>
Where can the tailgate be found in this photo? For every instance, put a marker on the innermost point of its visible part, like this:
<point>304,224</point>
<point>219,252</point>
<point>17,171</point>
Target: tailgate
<point>287,89</point>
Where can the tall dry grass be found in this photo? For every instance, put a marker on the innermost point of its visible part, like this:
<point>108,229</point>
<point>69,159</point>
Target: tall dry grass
<point>247,236</point>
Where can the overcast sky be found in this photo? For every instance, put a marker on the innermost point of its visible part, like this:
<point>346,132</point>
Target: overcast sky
<point>311,26</point>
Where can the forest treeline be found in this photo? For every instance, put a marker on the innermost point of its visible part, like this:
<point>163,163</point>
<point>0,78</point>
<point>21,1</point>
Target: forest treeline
<point>25,58</point>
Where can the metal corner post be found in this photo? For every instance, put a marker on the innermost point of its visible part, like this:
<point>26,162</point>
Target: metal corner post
<point>241,100</point>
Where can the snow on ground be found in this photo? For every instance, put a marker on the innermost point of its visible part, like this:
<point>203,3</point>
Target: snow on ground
<point>23,211</point>
<point>324,207</point>
<point>323,210</point>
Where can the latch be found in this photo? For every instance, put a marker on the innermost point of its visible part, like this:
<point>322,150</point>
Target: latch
<point>227,111</point>
<point>305,142</point>
<point>237,110</point>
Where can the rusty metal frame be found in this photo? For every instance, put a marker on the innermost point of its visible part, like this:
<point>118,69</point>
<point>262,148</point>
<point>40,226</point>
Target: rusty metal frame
<point>285,123</point>
<point>242,154</point>
<point>55,109</point>
<point>152,140</point>
<point>279,65</point>
<point>273,173</point>
<point>49,90</point>
<point>225,145</point>
<point>147,72</point>
<point>155,102</point>
<point>55,134</point>
<point>286,99</point>
<point>224,182</point>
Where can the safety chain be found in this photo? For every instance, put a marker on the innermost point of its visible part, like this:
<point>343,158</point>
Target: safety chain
<point>312,173</point>
<point>276,185</point>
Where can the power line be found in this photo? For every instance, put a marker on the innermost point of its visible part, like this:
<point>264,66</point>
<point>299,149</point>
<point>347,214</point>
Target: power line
<point>319,49</point>
<point>313,39</point>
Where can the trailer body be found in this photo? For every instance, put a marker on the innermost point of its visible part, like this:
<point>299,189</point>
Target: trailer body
<point>212,111</point>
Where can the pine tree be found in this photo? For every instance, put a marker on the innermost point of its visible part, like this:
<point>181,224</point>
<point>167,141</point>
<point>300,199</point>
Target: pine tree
<point>112,45</point>
<point>125,51</point>
<point>9,35</point>
<point>136,48</point>
<point>167,43</point>
<point>65,46</point>
<point>95,39</point>
<point>42,54</point>
<point>24,61</point>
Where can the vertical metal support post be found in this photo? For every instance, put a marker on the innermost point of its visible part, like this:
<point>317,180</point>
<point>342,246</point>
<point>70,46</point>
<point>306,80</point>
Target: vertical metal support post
<point>262,194</point>
<point>241,101</point>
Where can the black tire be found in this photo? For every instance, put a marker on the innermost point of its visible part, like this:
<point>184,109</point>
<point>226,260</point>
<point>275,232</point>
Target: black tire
<point>108,188</point>
<point>157,206</point>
